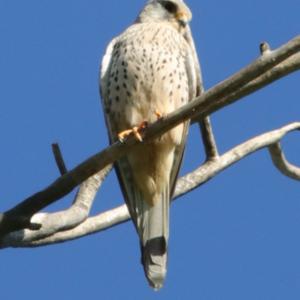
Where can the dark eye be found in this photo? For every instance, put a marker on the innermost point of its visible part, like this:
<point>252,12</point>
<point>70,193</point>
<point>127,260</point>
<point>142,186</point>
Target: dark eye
<point>170,6</point>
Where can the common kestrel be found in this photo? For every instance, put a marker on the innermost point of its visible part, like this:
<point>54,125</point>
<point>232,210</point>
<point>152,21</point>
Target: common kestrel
<point>151,67</point>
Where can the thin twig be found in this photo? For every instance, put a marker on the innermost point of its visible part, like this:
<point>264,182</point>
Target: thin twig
<point>281,162</point>
<point>59,159</point>
<point>210,145</point>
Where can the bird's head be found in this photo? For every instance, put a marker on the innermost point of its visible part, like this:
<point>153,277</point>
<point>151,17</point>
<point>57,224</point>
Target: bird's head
<point>174,11</point>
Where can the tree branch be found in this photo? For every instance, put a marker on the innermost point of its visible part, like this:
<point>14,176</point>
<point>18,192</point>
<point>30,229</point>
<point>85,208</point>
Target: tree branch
<point>184,185</point>
<point>281,162</point>
<point>210,145</point>
<point>65,219</point>
<point>214,99</point>
<point>210,169</point>
<point>59,159</point>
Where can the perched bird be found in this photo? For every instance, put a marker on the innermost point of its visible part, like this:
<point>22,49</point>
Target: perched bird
<point>148,71</point>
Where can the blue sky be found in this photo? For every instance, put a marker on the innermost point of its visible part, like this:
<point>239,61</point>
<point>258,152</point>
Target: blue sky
<point>236,237</point>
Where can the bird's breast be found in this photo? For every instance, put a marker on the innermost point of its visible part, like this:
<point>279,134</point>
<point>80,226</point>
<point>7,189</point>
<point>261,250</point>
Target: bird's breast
<point>146,75</point>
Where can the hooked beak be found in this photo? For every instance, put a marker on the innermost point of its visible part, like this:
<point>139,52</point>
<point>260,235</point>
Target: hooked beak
<point>182,19</point>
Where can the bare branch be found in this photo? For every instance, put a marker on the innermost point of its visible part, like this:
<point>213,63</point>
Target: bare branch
<point>214,99</point>
<point>282,164</point>
<point>210,145</point>
<point>66,219</point>
<point>211,169</point>
<point>92,225</point>
<point>288,66</point>
<point>59,159</point>
<point>184,185</point>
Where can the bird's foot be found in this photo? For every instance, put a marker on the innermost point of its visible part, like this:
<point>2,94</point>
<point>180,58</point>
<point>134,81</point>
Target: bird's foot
<point>137,131</point>
<point>158,114</point>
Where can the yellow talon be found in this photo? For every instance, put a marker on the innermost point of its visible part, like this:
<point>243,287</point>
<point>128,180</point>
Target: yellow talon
<point>124,134</point>
<point>136,131</point>
<point>137,134</point>
<point>158,114</point>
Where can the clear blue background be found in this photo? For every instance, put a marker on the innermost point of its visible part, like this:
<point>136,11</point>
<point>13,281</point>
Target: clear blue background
<point>236,237</point>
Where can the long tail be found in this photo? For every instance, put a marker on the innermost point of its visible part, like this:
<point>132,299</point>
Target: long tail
<point>154,234</point>
<point>151,222</point>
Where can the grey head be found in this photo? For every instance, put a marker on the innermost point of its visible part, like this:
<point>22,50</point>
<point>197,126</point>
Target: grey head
<point>174,11</point>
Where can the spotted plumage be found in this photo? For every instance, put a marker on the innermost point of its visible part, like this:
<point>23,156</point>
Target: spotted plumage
<point>151,67</point>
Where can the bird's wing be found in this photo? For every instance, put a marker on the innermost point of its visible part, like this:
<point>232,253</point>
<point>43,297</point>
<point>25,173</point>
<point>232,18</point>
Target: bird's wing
<point>122,166</point>
<point>195,65</point>
<point>195,89</point>
<point>104,77</point>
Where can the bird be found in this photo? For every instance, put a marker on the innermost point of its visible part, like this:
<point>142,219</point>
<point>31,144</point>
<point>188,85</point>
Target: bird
<point>147,72</point>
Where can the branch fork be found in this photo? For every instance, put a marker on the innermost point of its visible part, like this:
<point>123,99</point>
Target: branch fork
<point>24,226</point>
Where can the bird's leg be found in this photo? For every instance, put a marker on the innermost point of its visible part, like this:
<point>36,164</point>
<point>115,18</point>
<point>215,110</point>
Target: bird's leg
<point>136,131</point>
